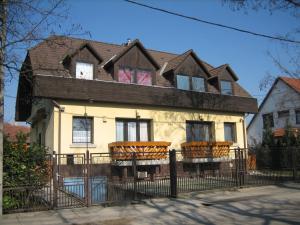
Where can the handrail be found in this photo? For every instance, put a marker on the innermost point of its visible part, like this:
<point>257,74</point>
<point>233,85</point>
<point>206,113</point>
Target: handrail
<point>145,150</point>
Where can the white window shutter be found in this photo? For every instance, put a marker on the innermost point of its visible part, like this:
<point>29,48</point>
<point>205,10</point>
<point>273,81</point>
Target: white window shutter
<point>84,70</point>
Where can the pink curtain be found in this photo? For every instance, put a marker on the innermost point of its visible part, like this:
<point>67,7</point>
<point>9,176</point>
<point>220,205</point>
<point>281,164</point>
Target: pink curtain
<point>125,75</point>
<point>144,77</point>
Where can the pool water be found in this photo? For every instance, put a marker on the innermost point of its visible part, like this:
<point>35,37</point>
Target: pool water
<point>97,185</point>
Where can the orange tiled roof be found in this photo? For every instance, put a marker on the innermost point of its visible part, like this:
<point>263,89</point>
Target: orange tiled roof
<point>12,130</point>
<point>292,82</point>
<point>279,132</point>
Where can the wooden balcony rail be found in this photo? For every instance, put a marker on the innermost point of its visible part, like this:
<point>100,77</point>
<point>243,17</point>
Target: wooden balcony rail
<point>203,149</point>
<point>145,150</point>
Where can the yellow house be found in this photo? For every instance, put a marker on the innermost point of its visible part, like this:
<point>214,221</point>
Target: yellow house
<point>83,94</point>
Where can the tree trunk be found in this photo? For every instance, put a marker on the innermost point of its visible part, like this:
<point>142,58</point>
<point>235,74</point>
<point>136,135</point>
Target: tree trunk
<point>3,10</point>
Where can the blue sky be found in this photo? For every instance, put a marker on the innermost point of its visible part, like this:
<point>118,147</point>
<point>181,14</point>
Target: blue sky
<point>115,21</point>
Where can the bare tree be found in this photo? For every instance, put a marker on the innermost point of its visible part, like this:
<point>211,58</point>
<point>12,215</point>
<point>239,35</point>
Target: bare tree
<point>291,65</point>
<point>24,23</point>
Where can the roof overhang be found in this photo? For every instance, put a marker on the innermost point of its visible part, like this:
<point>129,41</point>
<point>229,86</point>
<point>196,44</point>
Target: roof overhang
<point>113,92</point>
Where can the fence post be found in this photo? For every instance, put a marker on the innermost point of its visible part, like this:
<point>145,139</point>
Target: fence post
<point>87,188</point>
<point>173,173</point>
<point>243,166</point>
<point>236,160</point>
<point>294,162</point>
<point>134,176</point>
<point>54,178</point>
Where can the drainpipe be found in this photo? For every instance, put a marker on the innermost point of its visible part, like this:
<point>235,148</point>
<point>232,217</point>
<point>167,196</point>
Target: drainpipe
<point>245,146</point>
<point>60,110</point>
<point>244,134</point>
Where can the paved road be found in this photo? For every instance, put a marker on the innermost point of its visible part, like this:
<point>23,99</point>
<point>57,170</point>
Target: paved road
<point>260,205</point>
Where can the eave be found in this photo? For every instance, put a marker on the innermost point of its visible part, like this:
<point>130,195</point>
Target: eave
<point>113,92</point>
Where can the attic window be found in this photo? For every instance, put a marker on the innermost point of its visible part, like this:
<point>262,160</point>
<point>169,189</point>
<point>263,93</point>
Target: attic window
<point>84,71</point>
<point>138,76</point>
<point>226,87</point>
<point>183,82</point>
<point>198,84</point>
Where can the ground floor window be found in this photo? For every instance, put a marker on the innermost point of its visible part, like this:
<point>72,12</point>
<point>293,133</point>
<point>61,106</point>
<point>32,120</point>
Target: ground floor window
<point>198,131</point>
<point>132,130</point>
<point>230,132</point>
<point>82,129</point>
<point>268,120</point>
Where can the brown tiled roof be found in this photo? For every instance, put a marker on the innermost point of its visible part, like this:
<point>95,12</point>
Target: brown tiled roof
<point>176,61</point>
<point>12,130</point>
<point>217,70</point>
<point>46,60</point>
<point>292,82</point>
<point>128,47</point>
<point>48,55</point>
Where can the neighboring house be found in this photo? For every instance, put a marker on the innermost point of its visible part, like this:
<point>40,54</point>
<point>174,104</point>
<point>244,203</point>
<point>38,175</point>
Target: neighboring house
<point>80,94</point>
<point>12,130</point>
<point>279,109</point>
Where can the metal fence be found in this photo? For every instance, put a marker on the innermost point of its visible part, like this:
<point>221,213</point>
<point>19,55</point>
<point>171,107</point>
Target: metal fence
<point>98,178</point>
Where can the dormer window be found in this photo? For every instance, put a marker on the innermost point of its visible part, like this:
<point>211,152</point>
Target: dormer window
<point>198,84</point>
<point>226,87</point>
<point>84,71</point>
<point>137,76</point>
<point>183,82</point>
<point>190,83</point>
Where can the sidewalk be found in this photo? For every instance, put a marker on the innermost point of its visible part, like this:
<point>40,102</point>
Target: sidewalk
<point>259,205</point>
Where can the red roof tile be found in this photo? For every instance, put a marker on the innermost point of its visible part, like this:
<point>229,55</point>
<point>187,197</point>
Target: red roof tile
<point>12,130</point>
<point>292,82</point>
<point>279,132</point>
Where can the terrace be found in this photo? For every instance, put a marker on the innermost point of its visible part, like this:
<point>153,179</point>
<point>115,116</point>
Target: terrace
<point>202,151</point>
<point>145,152</point>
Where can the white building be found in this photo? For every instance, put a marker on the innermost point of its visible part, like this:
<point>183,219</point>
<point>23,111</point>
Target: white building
<point>280,107</point>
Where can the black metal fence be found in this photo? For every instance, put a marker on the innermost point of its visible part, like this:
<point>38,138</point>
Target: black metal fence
<point>95,178</point>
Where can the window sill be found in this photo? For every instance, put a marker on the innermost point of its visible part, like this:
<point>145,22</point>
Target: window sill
<point>82,145</point>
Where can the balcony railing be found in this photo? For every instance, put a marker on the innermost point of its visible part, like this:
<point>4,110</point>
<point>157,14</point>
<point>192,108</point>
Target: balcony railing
<point>144,150</point>
<point>202,149</point>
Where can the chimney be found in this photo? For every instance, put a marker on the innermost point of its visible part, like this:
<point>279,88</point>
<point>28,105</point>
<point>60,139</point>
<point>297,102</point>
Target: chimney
<point>128,41</point>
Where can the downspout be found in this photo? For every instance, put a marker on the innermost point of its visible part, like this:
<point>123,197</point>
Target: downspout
<point>60,109</point>
<point>244,134</point>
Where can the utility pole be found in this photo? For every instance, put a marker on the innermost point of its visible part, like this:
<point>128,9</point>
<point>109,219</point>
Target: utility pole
<point>3,18</point>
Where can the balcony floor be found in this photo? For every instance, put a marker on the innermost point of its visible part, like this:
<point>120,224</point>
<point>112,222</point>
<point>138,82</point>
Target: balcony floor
<point>149,162</point>
<point>206,160</point>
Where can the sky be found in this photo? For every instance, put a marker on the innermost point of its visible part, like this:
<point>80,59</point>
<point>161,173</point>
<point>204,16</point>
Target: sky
<point>114,21</point>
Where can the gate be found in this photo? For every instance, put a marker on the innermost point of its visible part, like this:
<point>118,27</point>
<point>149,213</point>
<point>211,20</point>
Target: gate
<point>69,177</point>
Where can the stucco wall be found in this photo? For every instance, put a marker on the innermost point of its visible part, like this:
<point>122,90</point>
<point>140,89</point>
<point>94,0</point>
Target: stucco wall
<point>281,98</point>
<point>167,124</point>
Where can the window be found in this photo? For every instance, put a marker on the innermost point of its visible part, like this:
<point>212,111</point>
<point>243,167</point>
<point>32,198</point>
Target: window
<point>132,130</point>
<point>297,112</point>
<point>84,71</point>
<point>226,87</point>
<point>70,159</point>
<point>198,131</point>
<point>126,75</point>
<point>268,120</point>
<point>82,130</point>
<point>283,114</point>
<point>183,82</point>
<point>138,76</point>
<point>229,132</point>
<point>143,77</point>
<point>198,84</point>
